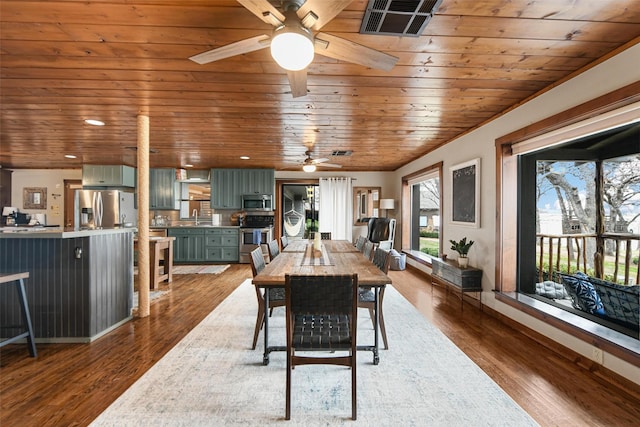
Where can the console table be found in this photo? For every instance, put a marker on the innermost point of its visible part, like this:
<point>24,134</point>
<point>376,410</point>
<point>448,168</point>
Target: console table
<point>449,274</point>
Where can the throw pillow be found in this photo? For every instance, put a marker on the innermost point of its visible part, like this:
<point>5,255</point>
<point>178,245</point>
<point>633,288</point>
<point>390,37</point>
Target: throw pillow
<point>583,294</point>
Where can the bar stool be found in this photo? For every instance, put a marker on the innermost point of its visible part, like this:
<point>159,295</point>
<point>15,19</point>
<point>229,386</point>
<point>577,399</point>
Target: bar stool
<point>18,280</point>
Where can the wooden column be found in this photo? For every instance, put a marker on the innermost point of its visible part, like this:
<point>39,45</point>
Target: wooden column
<point>143,216</point>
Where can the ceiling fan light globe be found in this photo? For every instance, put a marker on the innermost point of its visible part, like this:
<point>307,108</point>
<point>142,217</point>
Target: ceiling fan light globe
<point>292,48</point>
<point>309,168</point>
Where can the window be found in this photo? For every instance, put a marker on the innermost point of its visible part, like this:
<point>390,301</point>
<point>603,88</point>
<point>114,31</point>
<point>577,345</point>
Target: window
<point>422,199</point>
<point>585,199</point>
<point>609,112</point>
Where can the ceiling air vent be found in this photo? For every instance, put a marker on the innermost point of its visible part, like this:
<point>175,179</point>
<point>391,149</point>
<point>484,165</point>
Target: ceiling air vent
<point>341,153</point>
<point>398,17</point>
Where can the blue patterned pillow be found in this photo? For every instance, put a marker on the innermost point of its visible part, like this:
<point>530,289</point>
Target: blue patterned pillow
<point>583,294</point>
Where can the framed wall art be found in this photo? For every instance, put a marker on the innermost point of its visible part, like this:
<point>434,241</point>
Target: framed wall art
<point>465,193</point>
<point>34,197</point>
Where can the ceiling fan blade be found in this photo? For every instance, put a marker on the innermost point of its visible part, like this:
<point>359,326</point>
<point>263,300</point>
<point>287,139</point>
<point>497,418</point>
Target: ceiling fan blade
<point>329,165</point>
<point>323,9</point>
<point>346,50</point>
<point>298,82</point>
<point>233,49</point>
<point>316,161</point>
<point>263,10</point>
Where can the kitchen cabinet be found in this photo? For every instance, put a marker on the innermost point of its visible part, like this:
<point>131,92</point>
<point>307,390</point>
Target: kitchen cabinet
<point>228,186</point>
<point>189,244</point>
<point>258,181</point>
<point>222,244</point>
<point>108,176</point>
<point>163,189</point>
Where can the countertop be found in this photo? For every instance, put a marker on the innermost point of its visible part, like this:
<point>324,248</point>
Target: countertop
<point>56,232</point>
<point>164,227</point>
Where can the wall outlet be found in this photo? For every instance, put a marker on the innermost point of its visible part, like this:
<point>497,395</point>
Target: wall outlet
<point>597,356</point>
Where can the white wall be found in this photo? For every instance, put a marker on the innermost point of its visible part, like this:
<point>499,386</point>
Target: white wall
<point>53,180</point>
<point>613,74</point>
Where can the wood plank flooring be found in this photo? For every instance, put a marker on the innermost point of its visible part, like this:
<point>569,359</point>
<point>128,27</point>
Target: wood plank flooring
<point>71,384</point>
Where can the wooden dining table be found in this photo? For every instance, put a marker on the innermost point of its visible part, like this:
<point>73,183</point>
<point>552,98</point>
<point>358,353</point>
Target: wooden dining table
<point>335,258</point>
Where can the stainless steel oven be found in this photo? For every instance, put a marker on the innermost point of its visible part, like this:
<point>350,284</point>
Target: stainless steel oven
<point>254,226</point>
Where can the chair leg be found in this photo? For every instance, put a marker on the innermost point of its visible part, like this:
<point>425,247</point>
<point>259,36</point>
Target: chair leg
<point>259,322</point>
<point>287,415</point>
<point>354,400</point>
<point>372,315</point>
<point>383,330</point>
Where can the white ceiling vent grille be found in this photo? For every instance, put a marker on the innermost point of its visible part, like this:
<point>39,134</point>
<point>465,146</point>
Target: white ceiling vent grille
<point>398,17</point>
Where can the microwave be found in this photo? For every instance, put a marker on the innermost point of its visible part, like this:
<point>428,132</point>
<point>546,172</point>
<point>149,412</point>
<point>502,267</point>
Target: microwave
<point>257,202</point>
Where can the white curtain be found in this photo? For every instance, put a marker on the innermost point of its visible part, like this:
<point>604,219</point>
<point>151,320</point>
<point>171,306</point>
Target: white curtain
<point>336,207</point>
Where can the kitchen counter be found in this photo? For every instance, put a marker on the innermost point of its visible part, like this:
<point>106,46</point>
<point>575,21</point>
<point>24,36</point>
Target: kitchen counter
<point>80,283</point>
<point>57,232</point>
<point>163,227</point>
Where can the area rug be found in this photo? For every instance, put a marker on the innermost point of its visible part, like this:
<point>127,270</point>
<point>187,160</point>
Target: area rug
<point>213,378</point>
<point>199,269</point>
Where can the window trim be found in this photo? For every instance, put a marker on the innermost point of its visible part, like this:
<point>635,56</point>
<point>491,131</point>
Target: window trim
<point>407,182</point>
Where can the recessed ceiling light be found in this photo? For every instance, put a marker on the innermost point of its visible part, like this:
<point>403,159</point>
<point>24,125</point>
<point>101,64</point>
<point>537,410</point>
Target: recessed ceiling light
<point>188,166</point>
<point>245,157</point>
<point>70,156</point>
<point>94,122</point>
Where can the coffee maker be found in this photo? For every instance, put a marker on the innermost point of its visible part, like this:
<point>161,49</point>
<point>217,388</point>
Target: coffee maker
<point>9,215</point>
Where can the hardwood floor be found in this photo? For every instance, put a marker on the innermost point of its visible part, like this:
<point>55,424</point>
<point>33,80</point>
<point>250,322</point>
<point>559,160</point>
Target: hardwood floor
<point>71,384</point>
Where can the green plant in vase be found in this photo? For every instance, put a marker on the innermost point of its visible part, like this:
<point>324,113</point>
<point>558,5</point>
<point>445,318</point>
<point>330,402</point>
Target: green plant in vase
<point>462,247</point>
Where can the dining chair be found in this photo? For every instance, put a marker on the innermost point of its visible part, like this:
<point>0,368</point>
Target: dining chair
<point>284,241</point>
<point>274,249</point>
<point>322,315</point>
<point>366,297</point>
<point>276,295</point>
<point>367,249</point>
<point>325,235</point>
<point>360,242</point>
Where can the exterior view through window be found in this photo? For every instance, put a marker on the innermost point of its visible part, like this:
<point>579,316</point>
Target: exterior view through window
<point>425,215</point>
<point>581,255</point>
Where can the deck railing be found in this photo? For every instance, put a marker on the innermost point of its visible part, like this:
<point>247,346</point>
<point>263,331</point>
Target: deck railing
<point>608,256</point>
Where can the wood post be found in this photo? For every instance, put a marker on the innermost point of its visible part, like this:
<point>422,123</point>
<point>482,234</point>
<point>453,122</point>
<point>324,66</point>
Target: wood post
<point>144,276</point>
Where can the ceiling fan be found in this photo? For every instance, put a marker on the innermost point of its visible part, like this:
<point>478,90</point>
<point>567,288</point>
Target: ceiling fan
<point>309,164</point>
<point>293,41</point>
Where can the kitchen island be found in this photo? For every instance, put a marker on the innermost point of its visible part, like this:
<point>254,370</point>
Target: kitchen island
<point>80,285</point>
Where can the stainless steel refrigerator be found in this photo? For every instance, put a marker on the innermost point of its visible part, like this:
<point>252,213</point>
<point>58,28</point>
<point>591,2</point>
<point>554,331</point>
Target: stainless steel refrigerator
<point>103,208</point>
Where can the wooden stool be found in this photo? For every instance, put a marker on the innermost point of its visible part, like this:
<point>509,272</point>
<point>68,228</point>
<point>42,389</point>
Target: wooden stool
<point>158,246</point>
<point>18,280</point>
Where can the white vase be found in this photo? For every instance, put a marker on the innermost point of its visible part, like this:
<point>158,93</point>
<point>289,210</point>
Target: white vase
<point>463,262</point>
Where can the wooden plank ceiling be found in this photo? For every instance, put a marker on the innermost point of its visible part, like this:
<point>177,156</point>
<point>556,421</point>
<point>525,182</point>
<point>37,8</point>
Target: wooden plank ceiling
<point>65,61</point>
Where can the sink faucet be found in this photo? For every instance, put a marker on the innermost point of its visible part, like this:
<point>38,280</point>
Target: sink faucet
<point>195,214</point>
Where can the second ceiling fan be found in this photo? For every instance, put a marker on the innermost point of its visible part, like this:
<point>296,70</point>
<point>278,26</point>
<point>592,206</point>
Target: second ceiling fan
<point>293,42</point>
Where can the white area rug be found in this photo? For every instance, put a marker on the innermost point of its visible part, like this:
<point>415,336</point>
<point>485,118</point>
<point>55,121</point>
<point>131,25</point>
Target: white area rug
<point>213,378</point>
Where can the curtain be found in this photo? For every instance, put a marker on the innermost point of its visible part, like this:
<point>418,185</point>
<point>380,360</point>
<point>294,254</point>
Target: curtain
<point>336,207</point>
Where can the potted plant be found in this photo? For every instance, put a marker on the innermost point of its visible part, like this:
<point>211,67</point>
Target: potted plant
<point>462,247</point>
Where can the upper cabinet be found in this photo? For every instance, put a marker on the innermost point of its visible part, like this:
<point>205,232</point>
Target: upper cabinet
<point>226,188</point>
<point>259,181</point>
<point>228,185</point>
<point>108,176</point>
<point>163,189</point>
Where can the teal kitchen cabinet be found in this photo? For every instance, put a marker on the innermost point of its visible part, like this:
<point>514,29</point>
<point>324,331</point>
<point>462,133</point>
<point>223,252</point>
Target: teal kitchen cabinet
<point>108,175</point>
<point>163,189</point>
<point>226,188</point>
<point>189,244</point>
<point>222,244</point>
<point>259,181</point>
